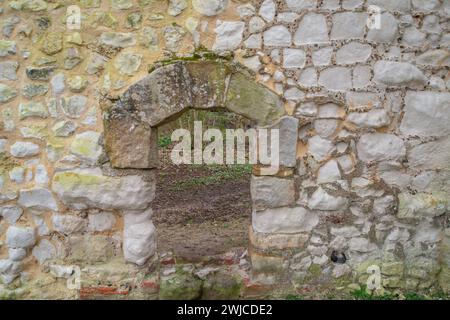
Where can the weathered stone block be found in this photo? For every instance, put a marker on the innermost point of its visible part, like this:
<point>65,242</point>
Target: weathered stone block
<point>89,188</point>
<point>271,192</point>
<point>139,238</point>
<point>138,148</point>
<point>180,286</point>
<point>380,147</point>
<point>253,101</point>
<point>284,220</point>
<point>221,286</point>
<point>426,114</point>
<point>267,241</point>
<point>90,249</point>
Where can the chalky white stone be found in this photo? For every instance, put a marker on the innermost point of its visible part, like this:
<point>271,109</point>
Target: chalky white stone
<point>398,74</point>
<point>284,220</point>
<point>294,58</point>
<point>38,199</point>
<point>18,237</point>
<point>321,200</point>
<point>380,147</point>
<point>353,52</point>
<point>268,10</point>
<point>336,78</point>
<point>229,35</point>
<point>22,149</point>
<point>426,114</point>
<point>209,7</point>
<point>277,36</point>
<point>139,238</point>
<point>375,118</point>
<point>311,29</point>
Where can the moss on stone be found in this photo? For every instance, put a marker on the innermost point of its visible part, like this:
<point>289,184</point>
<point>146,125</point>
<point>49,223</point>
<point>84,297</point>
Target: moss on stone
<point>71,179</point>
<point>221,286</point>
<point>180,286</point>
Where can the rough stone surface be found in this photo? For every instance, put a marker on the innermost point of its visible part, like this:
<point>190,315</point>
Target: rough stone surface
<point>271,192</point>
<point>17,237</point>
<point>312,29</point>
<point>398,74</point>
<point>139,238</point>
<point>37,199</point>
<point>89,188</point>
<point>426,114</point>
<point>284,220</point>
<point>380,147</point>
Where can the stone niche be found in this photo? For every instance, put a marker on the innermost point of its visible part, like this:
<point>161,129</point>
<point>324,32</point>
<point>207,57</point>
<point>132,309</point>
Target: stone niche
<point>131,121</point>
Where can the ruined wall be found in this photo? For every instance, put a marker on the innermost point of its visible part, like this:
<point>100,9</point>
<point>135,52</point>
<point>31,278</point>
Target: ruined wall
<point>367,111</point>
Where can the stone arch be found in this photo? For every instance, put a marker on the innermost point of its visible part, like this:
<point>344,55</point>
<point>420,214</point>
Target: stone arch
<point>131,120</point>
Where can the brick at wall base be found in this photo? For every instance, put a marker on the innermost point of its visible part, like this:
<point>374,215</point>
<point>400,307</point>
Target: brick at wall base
<point>102,292</point>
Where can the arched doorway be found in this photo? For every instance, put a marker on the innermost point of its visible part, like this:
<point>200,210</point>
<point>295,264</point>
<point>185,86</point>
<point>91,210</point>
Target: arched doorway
<point>131,123</point>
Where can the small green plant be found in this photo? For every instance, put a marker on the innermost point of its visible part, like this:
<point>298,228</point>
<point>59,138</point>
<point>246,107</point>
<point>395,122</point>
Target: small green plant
<point>414,296</point>
<point>164,141</point>
<point>363,294</point>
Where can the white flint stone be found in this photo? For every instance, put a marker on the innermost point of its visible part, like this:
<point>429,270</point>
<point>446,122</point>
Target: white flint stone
<point>336,78</point>
<point>256,24</point>
<point>246,10</point>
<point>277,36</point>
<point>268,10</point>
<point>228,35</point>
<point>322,57</point>
<point>321,200</point>
<point>394,6</point>
<point>375,118</point>
<point>44,251</point>
<point>21,149</point>
<point>388,29</point>
<point>329,172</point>
<point>380,147</point>
<point>326,127</point>
<point>308,78</point>
<point>299,5</point>
<point>60,271</point>
<point>38,199</point>
<point>312,29</point>
<point>18,237</point>
<point>139,239</point>
<point>320,148</point>
<point>348,25</point>
<point>17,254</point>
<point>398,74</point>
<point>11,213</point>
<point>426,114</point>
<point>176,7</point>
<point>353,52</point>
<point>209,7</point>
<point>254,41</point>
<point>293,58</point>
<point>101,221</point>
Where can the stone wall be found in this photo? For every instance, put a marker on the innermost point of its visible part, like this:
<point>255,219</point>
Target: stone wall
<point>363,115</point>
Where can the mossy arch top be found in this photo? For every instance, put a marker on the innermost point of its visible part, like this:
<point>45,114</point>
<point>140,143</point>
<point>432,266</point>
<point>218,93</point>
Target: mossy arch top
<point>131,119</point>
